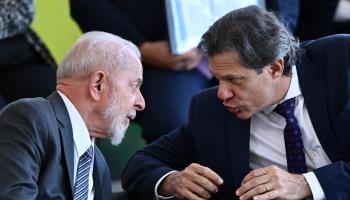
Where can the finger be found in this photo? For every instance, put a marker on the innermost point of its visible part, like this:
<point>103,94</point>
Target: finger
<point>198,190</point>
<point>266,196</point>
<point>190,57</point>
<point>182,57</point>
<point>178,66</point>
<point>179,63</point>
<point>186,61</point>
<point>188,184</point>
<point>187,194</point>
<point>191,54</point>
<point>194,50</point>
<point>192,64</point>
<point>260,189</point>
<point>189,64</point>
<point>255,173</point>
<point>261,180</point>
<point>205,183</point>
<point>208,173</point>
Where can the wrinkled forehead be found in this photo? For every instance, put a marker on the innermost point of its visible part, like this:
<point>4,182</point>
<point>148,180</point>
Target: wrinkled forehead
<point>127,59</point>
<point>134,63</point>
<point>130,66</point>
<point>223,59</point>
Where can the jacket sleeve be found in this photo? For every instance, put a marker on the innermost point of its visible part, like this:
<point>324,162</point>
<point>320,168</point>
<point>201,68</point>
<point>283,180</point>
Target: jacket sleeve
<point>171,152</point>
<point>21,150</point>
<point>335,178</point>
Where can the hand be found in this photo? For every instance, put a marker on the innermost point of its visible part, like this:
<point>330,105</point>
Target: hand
<point>271,183</point>
<point>194,182</point>
<point>157,54</point>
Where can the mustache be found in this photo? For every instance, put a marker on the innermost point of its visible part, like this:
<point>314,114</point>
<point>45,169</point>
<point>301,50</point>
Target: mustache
<point>131,114</point>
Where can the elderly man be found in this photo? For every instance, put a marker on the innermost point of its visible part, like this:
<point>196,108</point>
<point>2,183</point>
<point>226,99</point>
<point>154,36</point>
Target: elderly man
<point>276,127</point>
<point>47,148</point>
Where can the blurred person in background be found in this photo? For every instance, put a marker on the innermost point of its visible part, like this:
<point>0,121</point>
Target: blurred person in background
<point>27,68</point>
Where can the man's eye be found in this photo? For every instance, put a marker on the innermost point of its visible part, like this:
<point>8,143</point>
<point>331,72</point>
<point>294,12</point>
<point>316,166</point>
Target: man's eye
<point>134,87</point>
<point>235,79</point>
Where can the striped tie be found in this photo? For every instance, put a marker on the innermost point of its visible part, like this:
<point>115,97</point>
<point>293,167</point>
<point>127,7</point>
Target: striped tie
<point>81,187</point>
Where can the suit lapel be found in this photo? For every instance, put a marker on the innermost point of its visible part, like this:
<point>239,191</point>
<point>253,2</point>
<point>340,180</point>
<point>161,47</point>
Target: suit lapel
<point>315,101</point>
<point>101,176</point>
<point>238,134</point>
<point>66,133</point>
<point>96,177</point>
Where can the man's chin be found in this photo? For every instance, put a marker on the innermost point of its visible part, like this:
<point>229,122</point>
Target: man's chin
<point>116,140</point>
<point>243,115</point>
<point>118,135</point>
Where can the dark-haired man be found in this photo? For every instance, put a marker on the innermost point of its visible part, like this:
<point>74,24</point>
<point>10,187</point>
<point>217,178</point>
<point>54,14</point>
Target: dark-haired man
<point>276,127</point>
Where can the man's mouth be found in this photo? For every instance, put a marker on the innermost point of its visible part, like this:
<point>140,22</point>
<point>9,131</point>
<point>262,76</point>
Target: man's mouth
<point>131,116</point>
<point>233,109</point>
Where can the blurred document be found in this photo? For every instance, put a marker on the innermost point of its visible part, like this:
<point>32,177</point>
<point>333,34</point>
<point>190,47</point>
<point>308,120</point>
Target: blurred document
<point>188,20</point>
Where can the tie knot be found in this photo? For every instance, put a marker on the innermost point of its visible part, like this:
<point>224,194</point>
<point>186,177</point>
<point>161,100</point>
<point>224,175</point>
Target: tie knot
<point>286,109</point>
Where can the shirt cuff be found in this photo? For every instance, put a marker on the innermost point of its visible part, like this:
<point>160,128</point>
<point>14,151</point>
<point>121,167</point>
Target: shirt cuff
<point>315,186</point>
<point>159,197</point>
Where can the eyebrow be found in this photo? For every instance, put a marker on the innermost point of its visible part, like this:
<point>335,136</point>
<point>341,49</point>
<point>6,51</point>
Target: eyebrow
<point>233,76</point>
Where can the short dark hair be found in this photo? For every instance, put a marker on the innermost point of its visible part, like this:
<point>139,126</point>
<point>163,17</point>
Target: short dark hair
<point>255,34</point>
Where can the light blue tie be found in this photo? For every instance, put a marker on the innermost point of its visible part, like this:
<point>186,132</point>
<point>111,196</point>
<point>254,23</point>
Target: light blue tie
<point>81,186</point>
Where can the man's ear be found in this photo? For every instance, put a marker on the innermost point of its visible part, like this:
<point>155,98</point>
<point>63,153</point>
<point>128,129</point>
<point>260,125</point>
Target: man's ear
<point>97,85</point>
<point>276,68</point>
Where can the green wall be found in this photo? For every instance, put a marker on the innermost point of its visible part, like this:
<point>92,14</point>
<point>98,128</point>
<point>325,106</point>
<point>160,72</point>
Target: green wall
<point>55,26</point>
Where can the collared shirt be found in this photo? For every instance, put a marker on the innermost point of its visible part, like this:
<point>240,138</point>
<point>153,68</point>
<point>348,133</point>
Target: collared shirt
<point>81,139</point>
<point>267,141</point>
<point>15,16</point>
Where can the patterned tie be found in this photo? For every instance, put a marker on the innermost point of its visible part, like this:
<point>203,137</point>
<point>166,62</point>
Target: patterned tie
<point>81,186</point>
<point>296,161</point>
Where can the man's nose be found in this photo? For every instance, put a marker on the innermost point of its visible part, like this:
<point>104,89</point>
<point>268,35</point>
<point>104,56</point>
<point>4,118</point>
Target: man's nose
<point>140,103</point>
<point>225,93</point>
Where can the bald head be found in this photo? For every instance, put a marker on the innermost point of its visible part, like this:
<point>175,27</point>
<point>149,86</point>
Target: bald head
<point>97,51</point>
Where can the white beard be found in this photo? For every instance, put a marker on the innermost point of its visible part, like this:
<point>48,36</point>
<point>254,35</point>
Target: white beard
<point>119,131</point>
<point>118,121</point>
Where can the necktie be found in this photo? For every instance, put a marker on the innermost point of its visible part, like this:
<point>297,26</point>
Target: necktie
<point>296,162</point>
<point>81,186</point>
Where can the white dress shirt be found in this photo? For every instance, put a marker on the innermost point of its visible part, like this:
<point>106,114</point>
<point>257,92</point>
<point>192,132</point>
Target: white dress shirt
<point>267,141</point>
<point>81,139</point>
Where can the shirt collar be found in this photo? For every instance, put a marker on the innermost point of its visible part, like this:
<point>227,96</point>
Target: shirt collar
<point>81,134</point>
<point>293,91</point>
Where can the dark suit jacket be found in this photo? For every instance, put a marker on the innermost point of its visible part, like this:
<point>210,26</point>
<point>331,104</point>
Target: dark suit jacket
<point>215,138</point>
<point>36,152</point>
